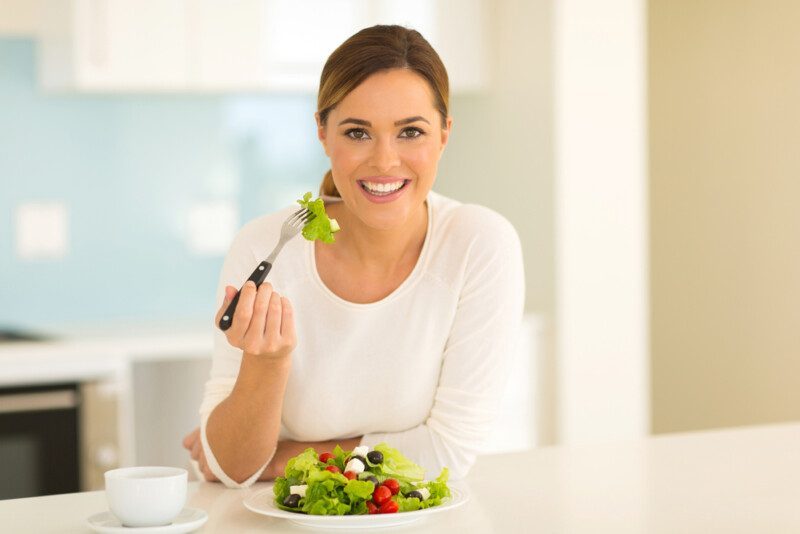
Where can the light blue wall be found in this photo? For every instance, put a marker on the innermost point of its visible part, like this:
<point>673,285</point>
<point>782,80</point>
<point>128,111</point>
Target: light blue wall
<point>128,168</point>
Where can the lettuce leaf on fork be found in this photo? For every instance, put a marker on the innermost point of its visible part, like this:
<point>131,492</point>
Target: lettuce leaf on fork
<point>321,226</point>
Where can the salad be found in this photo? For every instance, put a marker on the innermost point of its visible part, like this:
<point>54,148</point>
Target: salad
<point>360,482</point>
<point>320,226</point>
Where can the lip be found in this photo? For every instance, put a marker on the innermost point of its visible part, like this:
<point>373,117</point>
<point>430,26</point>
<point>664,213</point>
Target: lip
<point>383,180</point>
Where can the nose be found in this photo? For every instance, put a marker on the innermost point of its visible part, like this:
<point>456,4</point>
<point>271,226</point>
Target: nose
<point>384,155</point>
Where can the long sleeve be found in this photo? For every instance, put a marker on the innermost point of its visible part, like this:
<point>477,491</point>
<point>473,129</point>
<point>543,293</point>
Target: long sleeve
<point>477,356</point>
<point>226,361</point>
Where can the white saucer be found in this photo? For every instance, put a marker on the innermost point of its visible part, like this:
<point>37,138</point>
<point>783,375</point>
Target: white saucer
<point>188,520</point>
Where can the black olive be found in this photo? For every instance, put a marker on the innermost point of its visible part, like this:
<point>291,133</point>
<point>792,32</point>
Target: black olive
<point>373,479</point>
<point>416,494</point>
<point>292,500</point>
<point>376,457</point>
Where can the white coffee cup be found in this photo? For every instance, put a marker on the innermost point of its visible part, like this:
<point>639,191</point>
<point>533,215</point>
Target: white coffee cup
<point>146,496</point>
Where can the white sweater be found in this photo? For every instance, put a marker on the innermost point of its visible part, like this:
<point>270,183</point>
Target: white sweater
<point>422,369</point>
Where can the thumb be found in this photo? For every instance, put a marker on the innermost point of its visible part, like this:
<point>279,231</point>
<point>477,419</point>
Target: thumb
<point>230,292</point>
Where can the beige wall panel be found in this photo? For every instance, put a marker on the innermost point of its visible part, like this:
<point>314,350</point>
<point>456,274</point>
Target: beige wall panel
<point>725,212</point>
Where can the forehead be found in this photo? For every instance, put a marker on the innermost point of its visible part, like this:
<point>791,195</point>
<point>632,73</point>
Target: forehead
<point>389,95</point>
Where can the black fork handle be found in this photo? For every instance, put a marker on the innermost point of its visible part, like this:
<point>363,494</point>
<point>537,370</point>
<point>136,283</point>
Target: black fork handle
<point>258,276</point>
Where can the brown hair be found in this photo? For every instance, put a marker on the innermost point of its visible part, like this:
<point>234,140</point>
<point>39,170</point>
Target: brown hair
<point>374,49</point>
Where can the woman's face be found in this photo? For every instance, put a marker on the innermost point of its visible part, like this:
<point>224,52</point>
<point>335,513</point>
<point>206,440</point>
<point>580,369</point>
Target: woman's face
<point>384,140</point>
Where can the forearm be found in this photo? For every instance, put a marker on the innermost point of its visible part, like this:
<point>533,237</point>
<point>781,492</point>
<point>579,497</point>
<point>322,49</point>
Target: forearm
<point>289,449</point>
<point>243,430</point>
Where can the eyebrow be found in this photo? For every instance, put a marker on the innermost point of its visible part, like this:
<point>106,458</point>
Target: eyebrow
<point>401,122</point>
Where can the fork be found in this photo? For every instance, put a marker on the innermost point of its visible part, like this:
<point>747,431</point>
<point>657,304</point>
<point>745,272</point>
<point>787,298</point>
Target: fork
<point>290,228</point>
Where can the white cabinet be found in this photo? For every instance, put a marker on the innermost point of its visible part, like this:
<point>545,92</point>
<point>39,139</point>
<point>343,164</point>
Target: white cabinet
<point>239,45</point>
<point>18,18</point>
<point>151,45</point>
<point>226,45</point>
<point>114,45</point>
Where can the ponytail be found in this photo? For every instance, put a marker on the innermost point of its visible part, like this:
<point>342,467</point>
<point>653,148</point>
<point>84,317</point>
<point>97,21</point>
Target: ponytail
<point>328,188</point>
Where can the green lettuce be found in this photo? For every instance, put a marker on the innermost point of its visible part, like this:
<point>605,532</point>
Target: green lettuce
<point>327,493</point>
<point>396,465</point>
<point>300,466</point>
<point>334,494</point>
<point>438,488</point>
<point>320,227</point>
<point>439,492</point>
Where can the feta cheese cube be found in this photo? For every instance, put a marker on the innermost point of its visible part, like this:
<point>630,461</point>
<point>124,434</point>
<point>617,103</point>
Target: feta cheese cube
<point>361,451</point>
<point>355,465</point>
<point>298,490</point>
<point>426,493</point>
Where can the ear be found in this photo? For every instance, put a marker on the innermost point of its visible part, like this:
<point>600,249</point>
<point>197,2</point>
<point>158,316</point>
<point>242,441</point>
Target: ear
<point>445,132</point>
<point>321,133</point>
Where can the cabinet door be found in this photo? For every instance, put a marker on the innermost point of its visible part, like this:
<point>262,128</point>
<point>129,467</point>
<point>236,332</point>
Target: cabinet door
<point>226,40</point>
<point>299,37</point>
<point>126,45</point>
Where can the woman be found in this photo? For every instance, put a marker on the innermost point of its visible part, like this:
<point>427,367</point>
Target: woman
<point>399,331</point>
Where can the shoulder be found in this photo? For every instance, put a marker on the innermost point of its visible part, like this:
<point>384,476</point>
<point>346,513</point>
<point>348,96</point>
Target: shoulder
<point>464,224</point>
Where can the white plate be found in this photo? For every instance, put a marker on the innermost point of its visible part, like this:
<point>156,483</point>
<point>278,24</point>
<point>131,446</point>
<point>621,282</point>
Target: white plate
<point>263,502</point>
<point>188,520</point>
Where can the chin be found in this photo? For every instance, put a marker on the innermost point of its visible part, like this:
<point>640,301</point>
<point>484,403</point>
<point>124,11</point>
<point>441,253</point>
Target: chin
<point>384,223</point>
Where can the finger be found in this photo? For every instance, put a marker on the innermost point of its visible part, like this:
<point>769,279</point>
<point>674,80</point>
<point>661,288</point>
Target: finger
<point>244,311</point>
<point>287,319</point>
<point>198,473</point>
<point>230,292</point>
<point>190,438</point>
<point>273,329</point>
<point>197,450</point>
<point>209,476</point>
<point>255,331</point>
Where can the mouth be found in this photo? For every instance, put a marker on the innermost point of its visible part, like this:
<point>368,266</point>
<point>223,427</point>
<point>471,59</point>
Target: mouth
<point>383,190</point>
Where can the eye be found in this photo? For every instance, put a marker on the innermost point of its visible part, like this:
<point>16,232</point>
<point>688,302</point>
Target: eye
<point>412,130</point>
<point>357,134</point>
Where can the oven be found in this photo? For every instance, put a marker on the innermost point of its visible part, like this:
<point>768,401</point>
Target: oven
<point>57,438</point>
<point>39,440</point>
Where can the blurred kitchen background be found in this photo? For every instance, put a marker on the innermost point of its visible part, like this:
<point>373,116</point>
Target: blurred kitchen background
<point>644,150</point>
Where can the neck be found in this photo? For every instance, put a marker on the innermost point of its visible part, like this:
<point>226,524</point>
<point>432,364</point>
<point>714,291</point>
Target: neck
<point>374,249</point>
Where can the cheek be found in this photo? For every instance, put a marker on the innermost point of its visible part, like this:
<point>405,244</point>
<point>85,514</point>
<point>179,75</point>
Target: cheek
<point>345,157</point>
<point>422,158</point>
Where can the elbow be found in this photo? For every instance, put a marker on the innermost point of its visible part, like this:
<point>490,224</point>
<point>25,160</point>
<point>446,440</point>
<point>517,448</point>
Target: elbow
<point>461,468</point>
<point>456,451</point>
<point>241,476</point>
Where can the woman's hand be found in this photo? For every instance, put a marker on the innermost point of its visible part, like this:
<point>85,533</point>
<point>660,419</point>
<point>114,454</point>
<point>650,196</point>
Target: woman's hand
<point>263,323</point>
<point>193,444</point>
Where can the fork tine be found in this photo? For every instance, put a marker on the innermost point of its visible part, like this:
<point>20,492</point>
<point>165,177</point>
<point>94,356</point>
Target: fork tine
<point>295,216</point>
<point>308,216</point>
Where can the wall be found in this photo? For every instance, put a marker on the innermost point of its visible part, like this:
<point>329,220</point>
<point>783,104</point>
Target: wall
<point>501,155</point>
<point>601,220</point>
<point>725,181</point>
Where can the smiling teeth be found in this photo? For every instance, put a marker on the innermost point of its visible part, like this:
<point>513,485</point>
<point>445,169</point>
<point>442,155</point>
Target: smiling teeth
<point>383,188</point>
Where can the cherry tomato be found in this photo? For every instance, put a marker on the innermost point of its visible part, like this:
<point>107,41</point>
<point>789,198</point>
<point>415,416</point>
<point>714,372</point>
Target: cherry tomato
<point>381,495</point>
<point>389,507</point>
<point>324,457</point>
<point>371,508</point>
<point>393,485</point>
<point>349,475</point>
<point>333,469</point>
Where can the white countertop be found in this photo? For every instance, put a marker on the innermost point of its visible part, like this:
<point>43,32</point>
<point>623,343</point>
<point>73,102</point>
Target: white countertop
<point>85,353</point>
<point>744,480</point>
